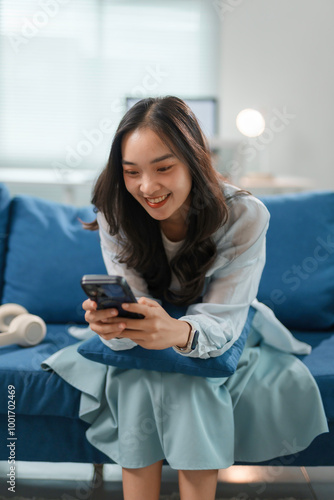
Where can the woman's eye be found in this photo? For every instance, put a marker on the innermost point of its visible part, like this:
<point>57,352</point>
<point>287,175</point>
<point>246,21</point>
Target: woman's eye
<point>130,172</point>
<point>164,169</point>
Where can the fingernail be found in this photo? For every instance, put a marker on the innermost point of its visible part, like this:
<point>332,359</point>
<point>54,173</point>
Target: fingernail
<point>121,326</point>
<point>125,306</point>
<point>113,312</point>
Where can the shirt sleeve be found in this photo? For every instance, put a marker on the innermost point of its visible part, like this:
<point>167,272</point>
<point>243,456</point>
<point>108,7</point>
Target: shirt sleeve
<point>233,280</point>
<point>110,247</point>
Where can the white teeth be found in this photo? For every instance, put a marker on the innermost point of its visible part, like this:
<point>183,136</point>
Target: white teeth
<point>157,200</point>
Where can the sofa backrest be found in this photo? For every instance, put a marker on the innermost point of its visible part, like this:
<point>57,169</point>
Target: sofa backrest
<point>298,278</point>
<point>48,252</point>
<point>4,216</point>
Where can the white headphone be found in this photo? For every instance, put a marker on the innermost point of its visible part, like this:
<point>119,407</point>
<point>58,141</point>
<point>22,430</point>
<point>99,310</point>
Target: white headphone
<point>19,327</point>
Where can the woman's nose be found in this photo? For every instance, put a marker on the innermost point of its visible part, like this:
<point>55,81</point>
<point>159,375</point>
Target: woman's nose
<point>149,185</point>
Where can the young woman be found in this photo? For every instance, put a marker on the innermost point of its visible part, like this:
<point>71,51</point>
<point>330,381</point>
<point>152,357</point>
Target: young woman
<point>178,233</point>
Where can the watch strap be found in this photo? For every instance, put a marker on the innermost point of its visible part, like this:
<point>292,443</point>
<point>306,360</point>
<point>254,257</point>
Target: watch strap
<point>192,341</point>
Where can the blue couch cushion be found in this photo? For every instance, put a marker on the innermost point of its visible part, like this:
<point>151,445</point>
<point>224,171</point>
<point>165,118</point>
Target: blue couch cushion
<point>321,365</point>
<point>167,360</point>
<point>4,214</point>
<point>38,392</point>
<point>48,252</point>
<point>298,278</point>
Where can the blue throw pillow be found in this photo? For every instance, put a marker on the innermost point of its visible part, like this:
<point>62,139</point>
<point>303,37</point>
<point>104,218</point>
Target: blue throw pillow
<point>298,278</point>
<point>48,252</point>
<point>167,360</point>
<point>4,214</point>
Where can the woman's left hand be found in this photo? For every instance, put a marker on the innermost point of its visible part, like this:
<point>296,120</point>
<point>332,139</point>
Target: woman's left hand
<point>158,330</point>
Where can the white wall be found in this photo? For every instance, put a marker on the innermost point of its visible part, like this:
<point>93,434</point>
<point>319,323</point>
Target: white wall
<point>276,55</point>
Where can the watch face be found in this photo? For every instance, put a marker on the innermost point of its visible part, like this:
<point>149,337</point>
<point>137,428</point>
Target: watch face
<point>195,340</point>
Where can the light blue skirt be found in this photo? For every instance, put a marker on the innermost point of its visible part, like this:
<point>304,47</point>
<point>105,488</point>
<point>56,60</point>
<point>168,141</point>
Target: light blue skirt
<point>270,407</point>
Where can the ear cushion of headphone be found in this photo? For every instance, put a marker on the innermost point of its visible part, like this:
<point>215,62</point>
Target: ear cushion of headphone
<point>7,313</point>
<point>27,330</point>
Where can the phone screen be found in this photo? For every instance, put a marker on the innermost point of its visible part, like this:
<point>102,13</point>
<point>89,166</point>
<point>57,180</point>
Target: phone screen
<point>109,292</point>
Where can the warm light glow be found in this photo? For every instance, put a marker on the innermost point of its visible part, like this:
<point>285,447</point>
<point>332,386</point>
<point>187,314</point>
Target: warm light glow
<point>242,474</point>
<point>250,122</point>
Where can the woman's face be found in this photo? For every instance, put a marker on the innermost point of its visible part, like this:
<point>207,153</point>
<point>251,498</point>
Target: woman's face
<point>155,177</point>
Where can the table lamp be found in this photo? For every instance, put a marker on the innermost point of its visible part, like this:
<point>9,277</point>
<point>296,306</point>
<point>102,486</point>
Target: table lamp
<point>251,123</point>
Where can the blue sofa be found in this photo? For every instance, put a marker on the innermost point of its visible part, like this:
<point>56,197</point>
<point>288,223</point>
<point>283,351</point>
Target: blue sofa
<point>44,252</point>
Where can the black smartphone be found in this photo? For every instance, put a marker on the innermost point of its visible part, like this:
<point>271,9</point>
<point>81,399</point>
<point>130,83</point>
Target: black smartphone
<point>109,292</point>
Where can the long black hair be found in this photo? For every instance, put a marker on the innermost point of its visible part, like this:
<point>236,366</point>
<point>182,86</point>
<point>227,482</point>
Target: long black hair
<point>142,248</point>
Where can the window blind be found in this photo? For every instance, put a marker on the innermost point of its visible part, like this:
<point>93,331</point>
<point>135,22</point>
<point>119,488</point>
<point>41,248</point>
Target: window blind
<point>66,67</point>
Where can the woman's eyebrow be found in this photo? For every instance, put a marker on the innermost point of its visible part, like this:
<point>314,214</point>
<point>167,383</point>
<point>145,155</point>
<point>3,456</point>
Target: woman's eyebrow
<point>156,160</point>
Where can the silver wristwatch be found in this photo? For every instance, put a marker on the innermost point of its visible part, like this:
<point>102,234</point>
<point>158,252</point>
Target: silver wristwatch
<point>192,341</point>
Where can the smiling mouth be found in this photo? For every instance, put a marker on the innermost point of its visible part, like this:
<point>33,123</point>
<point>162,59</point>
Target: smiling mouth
<point>157,202</point>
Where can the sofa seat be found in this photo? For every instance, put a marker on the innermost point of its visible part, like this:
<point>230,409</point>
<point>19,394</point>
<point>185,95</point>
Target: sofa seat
<point>321,365</point>
<point>45,393</point>
<point>45,401</point>
<point>38,392</point>
<point>51,439</point>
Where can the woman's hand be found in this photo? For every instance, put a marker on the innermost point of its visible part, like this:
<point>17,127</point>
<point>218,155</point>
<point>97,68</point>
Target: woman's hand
<point>104,322</point>
<point>157,330</point>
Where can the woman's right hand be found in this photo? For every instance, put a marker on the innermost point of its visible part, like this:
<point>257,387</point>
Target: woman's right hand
<point>104,322</point>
